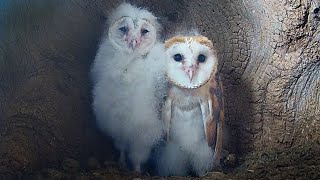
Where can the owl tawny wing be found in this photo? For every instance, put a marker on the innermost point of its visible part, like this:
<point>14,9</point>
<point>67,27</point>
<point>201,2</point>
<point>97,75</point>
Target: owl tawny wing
<point>214,126</point>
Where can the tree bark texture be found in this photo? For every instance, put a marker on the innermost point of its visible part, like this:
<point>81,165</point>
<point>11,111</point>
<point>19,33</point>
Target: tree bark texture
<point>269,60</point>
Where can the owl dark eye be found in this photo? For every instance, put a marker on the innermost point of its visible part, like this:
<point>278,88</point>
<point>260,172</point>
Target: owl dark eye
<point>123,29</point>
<point>201,58</point>
<point>144,31</point>
<point>177,57</point>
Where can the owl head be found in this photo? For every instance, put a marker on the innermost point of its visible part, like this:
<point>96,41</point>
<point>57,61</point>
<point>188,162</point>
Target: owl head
<point>133,29</point>
<point>191,61</point>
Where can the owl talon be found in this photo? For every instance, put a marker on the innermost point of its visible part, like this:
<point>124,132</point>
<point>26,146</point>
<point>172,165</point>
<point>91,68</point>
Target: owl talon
<point>205,174</point>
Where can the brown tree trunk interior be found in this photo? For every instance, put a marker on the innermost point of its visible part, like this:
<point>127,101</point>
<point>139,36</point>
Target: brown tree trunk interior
<point>269,59</point>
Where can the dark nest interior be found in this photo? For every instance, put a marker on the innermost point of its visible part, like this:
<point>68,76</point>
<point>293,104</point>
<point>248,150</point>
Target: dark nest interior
<point>269,55</point>
<point>296,163</point>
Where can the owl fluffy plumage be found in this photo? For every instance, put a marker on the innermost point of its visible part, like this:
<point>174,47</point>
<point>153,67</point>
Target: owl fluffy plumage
<point>193,127</point>
<point>129,83</point>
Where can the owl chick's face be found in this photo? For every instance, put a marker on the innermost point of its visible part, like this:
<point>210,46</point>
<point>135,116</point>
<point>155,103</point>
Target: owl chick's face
<point>191,61</point>
<point>134,31</point>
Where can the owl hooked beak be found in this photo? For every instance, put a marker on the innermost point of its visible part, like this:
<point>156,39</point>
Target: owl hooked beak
<point>133,42</point>
<point>190,71</point>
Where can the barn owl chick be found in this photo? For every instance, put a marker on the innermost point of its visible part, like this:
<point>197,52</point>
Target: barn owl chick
<point>193,111</point>
<point>129,83</point>
<point>133,29</point>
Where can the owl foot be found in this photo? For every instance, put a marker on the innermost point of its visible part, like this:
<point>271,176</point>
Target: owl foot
<point>137,168</point>
<point>202,173</point>
<point>122,161</point>
<point>217,168</point>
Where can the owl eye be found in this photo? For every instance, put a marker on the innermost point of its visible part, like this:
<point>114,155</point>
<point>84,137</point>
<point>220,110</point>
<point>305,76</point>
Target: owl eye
<point>177,57</point>
<point>144,31</point>
<point>123,29</point>
<point>201,58</point>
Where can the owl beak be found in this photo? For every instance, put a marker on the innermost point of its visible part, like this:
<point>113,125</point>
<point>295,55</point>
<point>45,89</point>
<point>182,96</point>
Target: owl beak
<point>190,72</point>
<point>133,43</point>
<point>190,75</point>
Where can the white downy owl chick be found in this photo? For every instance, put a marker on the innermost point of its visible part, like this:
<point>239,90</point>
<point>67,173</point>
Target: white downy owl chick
<point>129,84</point>
<point>193,111</point>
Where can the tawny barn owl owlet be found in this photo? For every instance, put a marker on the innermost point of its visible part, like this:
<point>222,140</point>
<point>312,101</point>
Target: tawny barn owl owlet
<point>129,83</point>
<point>193,112</point>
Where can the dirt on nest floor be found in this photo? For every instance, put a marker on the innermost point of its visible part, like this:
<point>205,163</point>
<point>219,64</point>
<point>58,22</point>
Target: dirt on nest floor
<point>295,163</point>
